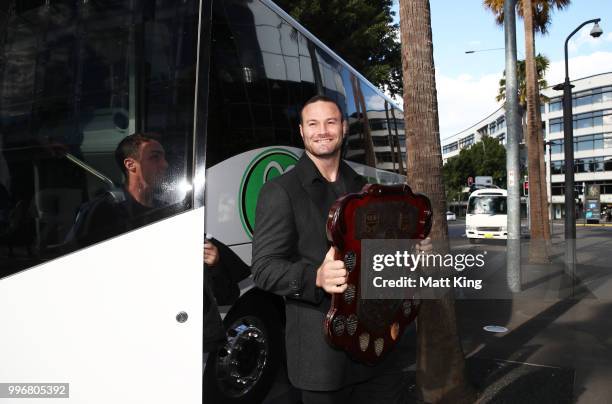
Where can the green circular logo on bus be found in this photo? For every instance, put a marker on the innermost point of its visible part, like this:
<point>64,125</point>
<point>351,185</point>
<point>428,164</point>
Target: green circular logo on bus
<point>269,164</point>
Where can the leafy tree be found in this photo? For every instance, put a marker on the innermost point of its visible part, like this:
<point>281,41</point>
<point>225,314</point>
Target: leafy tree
<point>486,157</point>
<point>542,64</point>
<point>541,11</point>
<point>360,31</point>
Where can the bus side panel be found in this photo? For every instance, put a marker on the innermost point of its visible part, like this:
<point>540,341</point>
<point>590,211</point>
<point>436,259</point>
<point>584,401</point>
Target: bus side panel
<point>104,319</point>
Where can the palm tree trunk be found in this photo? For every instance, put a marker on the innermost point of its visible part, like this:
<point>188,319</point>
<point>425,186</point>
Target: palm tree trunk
<point>543,184</point>
<point>546,217</point>
<point>441,374</point>
<point>539,214</point>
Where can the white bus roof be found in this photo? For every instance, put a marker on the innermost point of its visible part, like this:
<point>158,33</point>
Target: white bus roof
<point>489,192</point>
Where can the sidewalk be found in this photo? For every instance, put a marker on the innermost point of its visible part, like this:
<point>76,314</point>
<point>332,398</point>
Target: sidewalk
<point>555,350</point>
<point>582,223</point>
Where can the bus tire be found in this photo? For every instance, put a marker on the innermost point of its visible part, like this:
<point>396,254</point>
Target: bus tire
<point>244,368</point>
<point>473,240</point>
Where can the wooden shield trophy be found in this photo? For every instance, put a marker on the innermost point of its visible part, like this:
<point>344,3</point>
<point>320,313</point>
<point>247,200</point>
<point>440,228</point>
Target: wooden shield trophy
<point>368,328</point>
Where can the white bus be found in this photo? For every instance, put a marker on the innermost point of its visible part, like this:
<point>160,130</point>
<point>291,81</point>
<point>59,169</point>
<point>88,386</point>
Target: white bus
<point>221,82</point>
<point>486,216</point>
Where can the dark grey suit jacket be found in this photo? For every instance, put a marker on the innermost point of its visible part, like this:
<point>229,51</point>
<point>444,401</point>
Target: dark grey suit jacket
<point>289,244</point>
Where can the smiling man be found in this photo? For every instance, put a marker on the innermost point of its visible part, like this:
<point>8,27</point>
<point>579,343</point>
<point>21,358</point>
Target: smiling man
<point>322,128</point>
<point>292,258</point>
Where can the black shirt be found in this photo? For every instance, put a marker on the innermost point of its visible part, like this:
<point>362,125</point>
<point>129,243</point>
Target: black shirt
<point>112,214</point>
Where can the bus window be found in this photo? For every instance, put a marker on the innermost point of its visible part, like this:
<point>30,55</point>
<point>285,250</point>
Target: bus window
<point>355,149</point>
<point>76,79</point>
<point>399,135</point>
<point>487,205</point>
<point>260,75</point>
<point>384,150</point>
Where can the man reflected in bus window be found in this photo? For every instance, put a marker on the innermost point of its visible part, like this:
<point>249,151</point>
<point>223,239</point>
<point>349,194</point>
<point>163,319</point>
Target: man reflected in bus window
<point>291,258</point>
<point>143,162</point>
<point>142,159</point>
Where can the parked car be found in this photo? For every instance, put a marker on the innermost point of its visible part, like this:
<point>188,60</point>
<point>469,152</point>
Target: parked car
<point>450,216</point>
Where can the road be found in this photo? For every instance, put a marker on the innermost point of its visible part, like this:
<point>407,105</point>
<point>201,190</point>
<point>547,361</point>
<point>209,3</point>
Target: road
<point>456,228</point>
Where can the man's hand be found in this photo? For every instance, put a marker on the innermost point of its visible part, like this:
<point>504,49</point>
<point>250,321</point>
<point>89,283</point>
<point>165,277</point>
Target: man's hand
<point>211,254</point>
<point>424,245</point>
<point>331,275</point>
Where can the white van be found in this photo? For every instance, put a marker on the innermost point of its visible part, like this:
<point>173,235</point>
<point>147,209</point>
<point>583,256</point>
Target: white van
<point>486,216</point>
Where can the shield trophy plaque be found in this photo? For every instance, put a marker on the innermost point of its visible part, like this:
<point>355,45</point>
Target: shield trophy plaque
<point>369,328</point>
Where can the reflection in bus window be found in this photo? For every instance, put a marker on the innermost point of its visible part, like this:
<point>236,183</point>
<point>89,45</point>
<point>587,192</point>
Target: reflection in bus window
<point>76,79</point>
<point>142,200</point>
<point>487,205</point>
<point>260,75</point>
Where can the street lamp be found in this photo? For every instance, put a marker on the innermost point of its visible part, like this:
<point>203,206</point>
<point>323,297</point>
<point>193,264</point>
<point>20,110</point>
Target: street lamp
<point>568,136</point>
<point>483,50</point>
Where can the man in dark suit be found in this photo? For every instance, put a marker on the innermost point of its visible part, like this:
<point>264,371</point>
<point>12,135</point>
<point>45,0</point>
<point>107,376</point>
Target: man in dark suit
<point>291,258</point>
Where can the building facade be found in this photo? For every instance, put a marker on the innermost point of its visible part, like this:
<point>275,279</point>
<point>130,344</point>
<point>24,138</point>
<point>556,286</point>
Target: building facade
<point>592,117</point>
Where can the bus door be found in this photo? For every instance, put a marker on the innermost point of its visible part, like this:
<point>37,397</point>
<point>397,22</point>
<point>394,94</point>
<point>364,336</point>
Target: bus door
<point>111,311</point>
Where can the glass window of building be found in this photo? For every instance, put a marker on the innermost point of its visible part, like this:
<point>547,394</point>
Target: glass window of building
<point>555,104</point>
<point>556,125</point>
<point>607,140</point>
<point>451,147</point>
<point>557,146</point>
<point>592,97</point>
<point>466,141</point>
<point>558,167</point>
<point>557,189</point>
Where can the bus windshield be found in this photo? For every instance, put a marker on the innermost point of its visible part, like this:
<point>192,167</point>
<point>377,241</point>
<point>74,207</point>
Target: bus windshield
<point>487,205</point>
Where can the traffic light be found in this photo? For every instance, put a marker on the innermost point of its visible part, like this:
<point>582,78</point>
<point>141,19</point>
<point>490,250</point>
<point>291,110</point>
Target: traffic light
<point>526,188</point>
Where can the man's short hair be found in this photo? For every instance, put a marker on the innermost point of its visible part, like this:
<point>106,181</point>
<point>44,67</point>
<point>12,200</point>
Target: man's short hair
<point>321,98</point>
<point>128,147</point>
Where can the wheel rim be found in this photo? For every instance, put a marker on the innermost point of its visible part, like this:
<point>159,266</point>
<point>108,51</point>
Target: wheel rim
<point>242,359</point>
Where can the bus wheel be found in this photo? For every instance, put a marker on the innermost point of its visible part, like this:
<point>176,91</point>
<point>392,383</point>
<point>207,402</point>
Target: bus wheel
<point>244,368</point>
<point>473,240</point>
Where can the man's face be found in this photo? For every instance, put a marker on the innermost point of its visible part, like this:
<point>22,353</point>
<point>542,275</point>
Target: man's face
<point>322,129</point>
<point>151,165</point>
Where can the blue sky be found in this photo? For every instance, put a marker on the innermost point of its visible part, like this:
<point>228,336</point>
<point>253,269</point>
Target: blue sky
<point>467,83</point>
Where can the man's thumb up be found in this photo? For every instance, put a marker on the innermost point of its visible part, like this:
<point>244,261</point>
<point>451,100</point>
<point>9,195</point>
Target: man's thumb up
<point>331,254</point>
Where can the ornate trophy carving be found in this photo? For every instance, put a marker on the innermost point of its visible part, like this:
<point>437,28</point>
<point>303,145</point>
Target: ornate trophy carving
<point>368,328</point>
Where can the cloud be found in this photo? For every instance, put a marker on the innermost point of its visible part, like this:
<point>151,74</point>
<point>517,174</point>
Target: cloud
<point>579,67</point>
<point>464,100</point>
<point>584,39</point>
<point>374,102</point>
